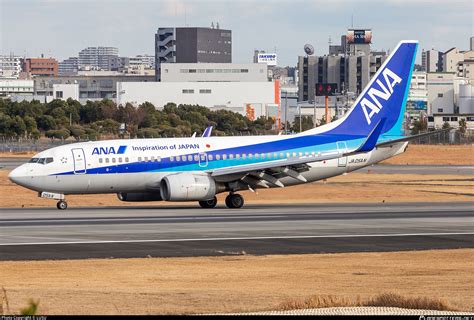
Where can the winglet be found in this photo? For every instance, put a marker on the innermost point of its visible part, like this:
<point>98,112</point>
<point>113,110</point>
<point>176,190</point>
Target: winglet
<point>207,132</point>
<point>372,138</point>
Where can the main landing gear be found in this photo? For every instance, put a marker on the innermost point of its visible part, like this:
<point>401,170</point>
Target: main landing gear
<point>232,201</point>
<point>61,205</point>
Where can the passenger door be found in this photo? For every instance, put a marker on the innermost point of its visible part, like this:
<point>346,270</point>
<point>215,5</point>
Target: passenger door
<point>79,161</point>
<point>342,148</point>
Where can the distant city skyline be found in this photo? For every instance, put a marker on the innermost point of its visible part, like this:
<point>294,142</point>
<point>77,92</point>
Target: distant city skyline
<point>60,28</point>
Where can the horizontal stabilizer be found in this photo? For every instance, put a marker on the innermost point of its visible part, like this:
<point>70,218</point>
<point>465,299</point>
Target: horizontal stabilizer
<point>409,138</point>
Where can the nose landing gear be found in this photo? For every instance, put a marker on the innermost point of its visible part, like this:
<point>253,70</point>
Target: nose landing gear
<point>61,205</point>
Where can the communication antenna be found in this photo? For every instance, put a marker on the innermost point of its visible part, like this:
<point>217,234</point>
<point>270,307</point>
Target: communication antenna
<point>308,49</point>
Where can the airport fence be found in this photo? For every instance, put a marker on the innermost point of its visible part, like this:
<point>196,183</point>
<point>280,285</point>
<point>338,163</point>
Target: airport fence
<point>29,145</point>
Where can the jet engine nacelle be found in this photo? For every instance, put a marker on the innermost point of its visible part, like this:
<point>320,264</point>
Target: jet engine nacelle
<point>187,187</point>
<point>139,196</point>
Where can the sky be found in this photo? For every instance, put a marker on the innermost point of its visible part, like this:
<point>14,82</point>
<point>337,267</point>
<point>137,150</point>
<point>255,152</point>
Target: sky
<point>61,28</point>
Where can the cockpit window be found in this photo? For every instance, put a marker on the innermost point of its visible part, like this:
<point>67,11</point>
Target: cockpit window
<point>41,160</point>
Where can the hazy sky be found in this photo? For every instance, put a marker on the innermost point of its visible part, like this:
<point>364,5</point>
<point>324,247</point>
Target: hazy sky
<point>61,28</point>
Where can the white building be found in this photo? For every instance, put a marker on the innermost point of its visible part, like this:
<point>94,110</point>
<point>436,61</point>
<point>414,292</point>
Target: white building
<point>146,60</point>
<point>417,96</point>
<point>451,58</point>
<point>10,66</point>
<point>101,58</point>
<point>66,91</point>
<point>440,87</point>
<point>214,72</point>
<point>234,96</point>
<point>432,60</point>
<point>466,98</point>
<point>13,87</point>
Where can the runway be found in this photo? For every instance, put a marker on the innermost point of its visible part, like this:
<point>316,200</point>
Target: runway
<point>172,231</point>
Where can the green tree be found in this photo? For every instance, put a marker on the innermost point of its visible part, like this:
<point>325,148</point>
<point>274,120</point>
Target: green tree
<point>446,125</point>
<point>462,126</point>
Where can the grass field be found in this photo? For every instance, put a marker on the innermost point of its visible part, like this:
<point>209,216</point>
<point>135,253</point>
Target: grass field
<point>235,283</point>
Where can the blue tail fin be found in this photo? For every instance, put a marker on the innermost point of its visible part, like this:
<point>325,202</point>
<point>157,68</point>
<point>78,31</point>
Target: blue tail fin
<point>383,98</point>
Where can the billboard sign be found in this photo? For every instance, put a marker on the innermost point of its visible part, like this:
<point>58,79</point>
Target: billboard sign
<point>359,36</point>
<point>268,58</point>
<point>325,89</point>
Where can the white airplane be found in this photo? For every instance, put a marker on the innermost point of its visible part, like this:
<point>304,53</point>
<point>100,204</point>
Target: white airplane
<point>198,168</point>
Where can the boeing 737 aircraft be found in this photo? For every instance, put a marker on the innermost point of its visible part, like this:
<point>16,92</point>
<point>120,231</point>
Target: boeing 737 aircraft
<point>198,168</point>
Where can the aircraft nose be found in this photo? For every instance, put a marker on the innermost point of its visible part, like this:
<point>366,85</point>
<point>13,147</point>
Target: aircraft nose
<point>17,175</point>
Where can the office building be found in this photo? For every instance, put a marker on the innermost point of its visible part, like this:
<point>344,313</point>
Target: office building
<point>432,60</point>
<point>91,87</point>
<point>252,99</point>
<point>349,73</point>
<point>40,67</point>
<point>10,66</point>
<point>440,87</point>
<point>13,87</point>
<point>214,72</point>
<point>192,45</point>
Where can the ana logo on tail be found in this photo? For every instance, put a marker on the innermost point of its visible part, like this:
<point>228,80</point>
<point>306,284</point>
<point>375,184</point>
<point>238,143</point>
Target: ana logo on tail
<point>391,79</point>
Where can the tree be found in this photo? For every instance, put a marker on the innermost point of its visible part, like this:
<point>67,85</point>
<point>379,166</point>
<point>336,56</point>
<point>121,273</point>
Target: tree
<point>419,126</point>
<point>446,125</point>
<point>462,126</point>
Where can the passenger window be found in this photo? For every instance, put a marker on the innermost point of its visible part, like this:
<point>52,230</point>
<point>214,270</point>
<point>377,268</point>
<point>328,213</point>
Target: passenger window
<point>275,155</point>
<point>287,154</point>
<point>269,156</point>
<point>190,158</point>
<point>244,156</point>
<point>306,153</point>
<point>158,158</point>
<point>196,158</point>
<point>171,158</point>
<point>224,157</point>
<point>152,158</point>
<point>301,154</point>
<point>106,160</point>
<point>113,160</point>
<point>139,159</point>
<point>237,156</point>
<point>126,159</point>
<point>183,158</point>
<point>257,156</point>
<point>294,154</point>
<point>218,156</point>
<point>178,158</point>
<point>312,153</point>
<point>250,156</point>
<point>210,157</point>
<point>100,160</point>
<point>146,159</point>
<point>263,155</point>
<point>231,156</point>
<point>120,160</point>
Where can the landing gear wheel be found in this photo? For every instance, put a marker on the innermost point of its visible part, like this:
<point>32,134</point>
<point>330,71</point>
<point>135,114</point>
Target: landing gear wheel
<point>61,205</point>
<point>208,203</point>
<point>234,201</point>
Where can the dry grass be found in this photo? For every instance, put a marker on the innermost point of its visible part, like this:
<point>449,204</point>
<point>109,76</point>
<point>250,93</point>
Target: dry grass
<point>389,299</point>
<point>239,283</point>
<point>435,154</point>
